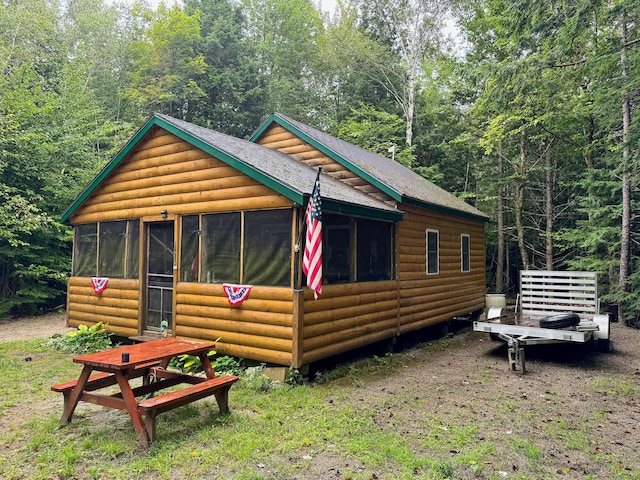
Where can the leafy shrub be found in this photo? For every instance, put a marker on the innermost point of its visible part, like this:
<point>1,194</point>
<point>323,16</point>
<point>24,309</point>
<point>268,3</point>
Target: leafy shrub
<point>83,340</point>
<point>189,363</point>
<point>227,365</point>
<point>221,365</point>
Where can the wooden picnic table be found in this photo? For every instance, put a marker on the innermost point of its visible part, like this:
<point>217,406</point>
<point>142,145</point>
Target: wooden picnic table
<point>148,360</point>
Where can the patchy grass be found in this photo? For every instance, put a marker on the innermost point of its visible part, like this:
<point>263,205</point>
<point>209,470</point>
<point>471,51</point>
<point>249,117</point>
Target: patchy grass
<point>449,409</point>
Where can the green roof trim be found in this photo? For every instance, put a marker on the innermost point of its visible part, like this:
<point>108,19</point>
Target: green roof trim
<point>274,117</point>
<point>401,186</point>
<point>181,130</point>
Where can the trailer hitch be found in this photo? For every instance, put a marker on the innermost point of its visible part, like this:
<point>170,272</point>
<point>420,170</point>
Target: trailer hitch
<point>515,353</point>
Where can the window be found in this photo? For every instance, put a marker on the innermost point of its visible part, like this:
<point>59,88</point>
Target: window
<point>374,250</point>
<point>111,249</point>
<point>432,252</point>
<point>133,249</point>
<point>189,248</point>
<point>356,249</point>
<point>107,249</point>
<point>336,249</point>
<point>221,237</point>
<point>465,252</point>
<point>255,247</point>
<point>267,248</point>
<point>85,250</point>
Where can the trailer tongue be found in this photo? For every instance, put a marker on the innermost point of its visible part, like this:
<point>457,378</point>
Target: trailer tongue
<point>552,307</point>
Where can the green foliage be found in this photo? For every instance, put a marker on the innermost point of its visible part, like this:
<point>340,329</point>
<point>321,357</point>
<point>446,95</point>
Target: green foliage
<point>83,340</point>
<point>189,363</point>
<point>167,65</point>
<point>377,131</point>
<point>535,78</point>
<point>226,365</point>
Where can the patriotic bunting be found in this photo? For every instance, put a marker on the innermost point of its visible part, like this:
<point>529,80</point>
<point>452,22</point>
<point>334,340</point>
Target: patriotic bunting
<point>99,284</point>
<point>236,293</point>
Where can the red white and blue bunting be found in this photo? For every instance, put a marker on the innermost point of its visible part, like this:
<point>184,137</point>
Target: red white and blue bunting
<point>236,294</point>
<point>99,284</point>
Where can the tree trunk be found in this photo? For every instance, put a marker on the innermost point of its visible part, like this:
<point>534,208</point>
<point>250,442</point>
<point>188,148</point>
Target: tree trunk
<point>519,204</point>
<point>411,105</point>
<point>626,188</point>
<point>548,211</point>
<point>500,220</point>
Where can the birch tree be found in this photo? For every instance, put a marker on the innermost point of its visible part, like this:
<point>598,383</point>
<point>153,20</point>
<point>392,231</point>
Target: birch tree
<point>412,29</point>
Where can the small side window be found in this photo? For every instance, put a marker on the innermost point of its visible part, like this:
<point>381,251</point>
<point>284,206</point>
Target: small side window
<point>465,252</point>
<point>433,252</point>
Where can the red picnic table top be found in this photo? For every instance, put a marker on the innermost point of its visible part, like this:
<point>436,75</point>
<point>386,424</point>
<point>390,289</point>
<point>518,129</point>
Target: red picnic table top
<point>140,353</point>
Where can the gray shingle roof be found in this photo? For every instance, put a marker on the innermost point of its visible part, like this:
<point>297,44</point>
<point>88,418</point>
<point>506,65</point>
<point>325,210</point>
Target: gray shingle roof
<point>280,168</point>
<point>395,179</point>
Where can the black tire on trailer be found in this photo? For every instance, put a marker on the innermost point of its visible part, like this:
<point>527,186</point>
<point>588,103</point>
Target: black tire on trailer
<point>560,321</point>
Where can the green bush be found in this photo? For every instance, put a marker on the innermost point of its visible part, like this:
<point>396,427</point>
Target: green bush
<point>83,340</point>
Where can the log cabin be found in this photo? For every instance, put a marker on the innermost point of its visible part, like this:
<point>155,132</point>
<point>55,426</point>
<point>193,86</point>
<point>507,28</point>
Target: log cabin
<point>192,233</point>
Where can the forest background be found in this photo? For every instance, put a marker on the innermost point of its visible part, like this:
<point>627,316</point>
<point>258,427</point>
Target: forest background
<point>529,112</point>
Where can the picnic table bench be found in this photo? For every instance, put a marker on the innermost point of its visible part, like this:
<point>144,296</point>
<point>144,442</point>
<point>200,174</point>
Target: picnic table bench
<point>147,360</point>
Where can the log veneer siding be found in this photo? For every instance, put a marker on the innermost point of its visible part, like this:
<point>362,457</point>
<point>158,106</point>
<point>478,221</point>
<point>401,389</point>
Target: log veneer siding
<point>348,316</point>
<point>278,138</point>
<point>261,327</point>
<point>166,173</point>
<point>117,306</point>
<point>429,299</point>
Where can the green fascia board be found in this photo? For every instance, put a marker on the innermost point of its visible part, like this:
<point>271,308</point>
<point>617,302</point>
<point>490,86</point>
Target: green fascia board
<point>440,208</point>
<point>196,142</point>
<point>360,211</point>
<point>294,196</point>
<point>350,166</point>
<point>274,117</point>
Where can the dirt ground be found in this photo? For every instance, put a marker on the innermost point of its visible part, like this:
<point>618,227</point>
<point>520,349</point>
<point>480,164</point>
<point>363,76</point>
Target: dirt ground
<point>30,328</point>
<point>580,408</point>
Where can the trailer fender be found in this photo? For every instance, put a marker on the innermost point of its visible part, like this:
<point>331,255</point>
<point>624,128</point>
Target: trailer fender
<point>602,320</point>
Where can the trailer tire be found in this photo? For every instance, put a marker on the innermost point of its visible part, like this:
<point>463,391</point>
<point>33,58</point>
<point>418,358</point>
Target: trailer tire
<point>560,321</point>
<point>604,345</point>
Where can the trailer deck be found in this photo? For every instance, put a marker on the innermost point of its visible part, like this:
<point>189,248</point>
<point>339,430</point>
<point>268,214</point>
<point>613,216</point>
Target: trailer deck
<point>547,295</point>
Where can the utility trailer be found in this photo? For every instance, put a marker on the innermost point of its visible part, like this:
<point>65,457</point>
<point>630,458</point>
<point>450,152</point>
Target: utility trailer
<point>552,307</point>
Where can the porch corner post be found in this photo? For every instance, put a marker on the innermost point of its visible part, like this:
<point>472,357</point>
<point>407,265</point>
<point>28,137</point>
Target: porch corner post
<point>297,353</point>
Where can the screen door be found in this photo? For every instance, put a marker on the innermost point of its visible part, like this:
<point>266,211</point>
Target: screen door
<point>160,261</point>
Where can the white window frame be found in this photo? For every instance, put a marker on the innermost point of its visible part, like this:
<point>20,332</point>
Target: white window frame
<point>462,252</point>
<point>437,252</point>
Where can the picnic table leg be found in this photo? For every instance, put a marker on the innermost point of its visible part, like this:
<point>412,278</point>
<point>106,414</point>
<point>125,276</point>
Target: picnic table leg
<point>222,397</point>
<point>206,365</point>
<point>132,408</point>
<point>150,425</point>
<point>72,398</point>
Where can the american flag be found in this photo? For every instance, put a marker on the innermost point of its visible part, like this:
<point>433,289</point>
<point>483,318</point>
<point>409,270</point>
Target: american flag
<point>312,260</point>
